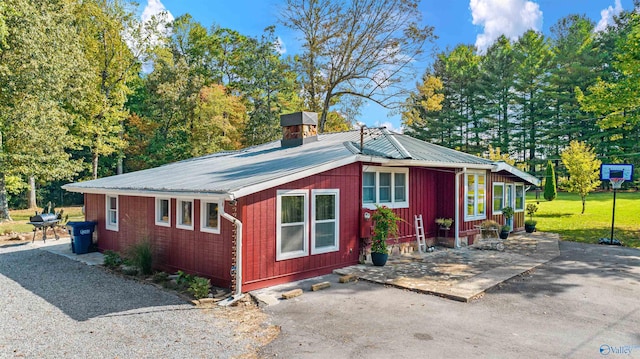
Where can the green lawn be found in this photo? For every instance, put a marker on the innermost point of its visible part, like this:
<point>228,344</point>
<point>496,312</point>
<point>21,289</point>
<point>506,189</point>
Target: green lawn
<point>21,217</point>
<point>562,216</point>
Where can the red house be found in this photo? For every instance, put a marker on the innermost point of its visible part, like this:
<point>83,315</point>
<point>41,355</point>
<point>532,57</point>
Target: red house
<point>295,208</point>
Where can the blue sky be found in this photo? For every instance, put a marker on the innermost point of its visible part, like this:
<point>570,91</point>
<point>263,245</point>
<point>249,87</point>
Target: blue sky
<point>477,22</point>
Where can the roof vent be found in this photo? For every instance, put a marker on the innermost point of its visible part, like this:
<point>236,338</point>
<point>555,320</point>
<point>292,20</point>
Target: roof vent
<point>299,128</point>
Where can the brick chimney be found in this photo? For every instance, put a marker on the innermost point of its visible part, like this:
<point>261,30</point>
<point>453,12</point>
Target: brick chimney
<point>299,128</point>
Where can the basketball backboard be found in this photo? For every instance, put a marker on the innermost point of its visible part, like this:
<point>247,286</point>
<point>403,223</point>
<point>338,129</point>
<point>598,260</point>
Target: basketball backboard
<point>617,170</point>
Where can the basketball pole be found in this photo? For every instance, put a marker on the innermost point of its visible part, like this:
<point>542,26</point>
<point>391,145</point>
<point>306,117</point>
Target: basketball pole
<point>613,215</point>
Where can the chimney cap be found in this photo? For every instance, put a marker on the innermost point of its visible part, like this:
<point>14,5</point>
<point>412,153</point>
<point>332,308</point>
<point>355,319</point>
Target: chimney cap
<point>299,118</point>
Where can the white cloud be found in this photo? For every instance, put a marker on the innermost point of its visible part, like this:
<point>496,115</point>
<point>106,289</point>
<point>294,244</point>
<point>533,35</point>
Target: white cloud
<point>607,16</point>
<point>155,7</point>
<point>389,126</point>
<point>504,17</point>
<point>154,10</point>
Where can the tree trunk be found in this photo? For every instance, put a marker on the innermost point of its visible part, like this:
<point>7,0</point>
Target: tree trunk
<point>32,193</point>
<point>4,205</point>
<point>584,198</point>
<point>94,164</point>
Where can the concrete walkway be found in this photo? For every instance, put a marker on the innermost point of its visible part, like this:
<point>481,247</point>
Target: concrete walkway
<point>62,247</point>
<point>461,274</point>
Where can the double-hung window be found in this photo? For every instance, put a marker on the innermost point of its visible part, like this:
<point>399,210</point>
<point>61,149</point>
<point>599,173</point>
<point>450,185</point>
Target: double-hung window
<point>307,224</point>
<point>292,224</point>
<point>475,194</point>
<point>210,213</point>
<point>184,215</point>
<point>111,222</point>
<point>385,186</point>
<point>324,225</point>
<point>163,212</point>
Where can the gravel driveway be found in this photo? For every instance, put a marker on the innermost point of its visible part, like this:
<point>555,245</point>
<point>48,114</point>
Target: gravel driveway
<point>54,307</point>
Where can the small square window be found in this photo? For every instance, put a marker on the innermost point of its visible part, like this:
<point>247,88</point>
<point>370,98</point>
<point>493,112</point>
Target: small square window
<point>210,221</point>
<point>184,218</point>
<point>163,212</point>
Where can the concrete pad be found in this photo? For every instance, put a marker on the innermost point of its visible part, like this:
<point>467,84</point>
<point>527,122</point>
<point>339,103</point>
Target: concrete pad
<point>62,247</point>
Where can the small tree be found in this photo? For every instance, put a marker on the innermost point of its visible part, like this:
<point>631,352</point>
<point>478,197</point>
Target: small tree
<point>583,167</point>
<point>550,191</point>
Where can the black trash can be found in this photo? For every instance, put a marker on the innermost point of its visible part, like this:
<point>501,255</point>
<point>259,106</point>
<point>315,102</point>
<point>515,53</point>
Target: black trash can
<point>81,236</point>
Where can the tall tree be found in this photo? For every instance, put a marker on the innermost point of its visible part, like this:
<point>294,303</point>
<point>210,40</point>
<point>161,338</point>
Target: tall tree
<point>357,48</point>
<point>42,74</point>
<point>550,189</point>
<point>583,168</point>
<point>532,53</point>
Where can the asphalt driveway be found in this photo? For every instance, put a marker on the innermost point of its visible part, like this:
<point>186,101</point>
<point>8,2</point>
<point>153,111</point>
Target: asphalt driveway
<point>54,307</point>
<point>583,304</point>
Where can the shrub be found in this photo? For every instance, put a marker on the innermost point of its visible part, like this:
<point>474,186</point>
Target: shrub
<point>489,228</point>
<point>160,277</point>
<point>199,287</point>
<point>112,259</point>
<point>386,225</point>
<point>141,256</point>
<point>184,279</point>
<point>530,222</point>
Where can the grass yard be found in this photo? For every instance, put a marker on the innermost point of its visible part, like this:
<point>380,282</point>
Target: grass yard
<point>562,216</point>
<point>21,217</point>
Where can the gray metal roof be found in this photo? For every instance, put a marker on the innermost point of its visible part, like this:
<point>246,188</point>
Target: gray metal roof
<point>248,170</point>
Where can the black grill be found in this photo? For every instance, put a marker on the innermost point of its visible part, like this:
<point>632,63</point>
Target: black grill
<point>43,221</point>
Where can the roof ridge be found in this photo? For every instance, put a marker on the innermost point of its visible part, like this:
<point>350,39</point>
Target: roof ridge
<point>395,143</point>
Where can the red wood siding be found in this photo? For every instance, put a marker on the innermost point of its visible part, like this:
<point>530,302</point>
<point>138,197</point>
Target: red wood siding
<point>204,254</point>
<point>261,268</point>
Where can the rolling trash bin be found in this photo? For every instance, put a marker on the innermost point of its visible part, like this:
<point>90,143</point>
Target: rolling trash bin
<point>81,236</point>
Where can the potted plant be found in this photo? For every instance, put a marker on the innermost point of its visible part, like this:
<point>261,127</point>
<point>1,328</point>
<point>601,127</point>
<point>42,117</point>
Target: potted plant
<point>504,232</point>
<point>444,223</point>
<point>530,224</point>
<point>385,225</point>
<point>507,212</point>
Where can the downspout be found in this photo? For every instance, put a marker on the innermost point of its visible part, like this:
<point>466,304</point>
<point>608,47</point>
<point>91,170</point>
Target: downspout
<point>238,295</point>
<point>457,208</point>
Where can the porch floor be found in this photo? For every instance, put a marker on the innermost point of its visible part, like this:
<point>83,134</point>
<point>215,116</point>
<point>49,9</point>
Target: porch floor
<point>461,274</point>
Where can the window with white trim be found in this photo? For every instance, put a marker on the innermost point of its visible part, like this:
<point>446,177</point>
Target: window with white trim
<point>325,220</point>
<point>385,186</point>
<point>520,194</point>
<point>292,224</point>
<point>111,222</point>
<point>210,213</point>
<point>163,212</point>
<point>498,197</point>
<point>184,214</point>
<point>475,195</point>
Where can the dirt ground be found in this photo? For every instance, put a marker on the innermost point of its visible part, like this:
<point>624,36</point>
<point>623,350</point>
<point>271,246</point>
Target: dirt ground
<point>18,238</point>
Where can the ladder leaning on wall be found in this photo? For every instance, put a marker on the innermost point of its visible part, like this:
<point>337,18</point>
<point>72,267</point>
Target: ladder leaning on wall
<point>422,244</point>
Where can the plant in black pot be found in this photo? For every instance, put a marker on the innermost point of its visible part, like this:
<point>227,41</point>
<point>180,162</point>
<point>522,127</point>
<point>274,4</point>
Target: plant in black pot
<point>386,225</point>
<point>504,232</point>
<point>530,224</point>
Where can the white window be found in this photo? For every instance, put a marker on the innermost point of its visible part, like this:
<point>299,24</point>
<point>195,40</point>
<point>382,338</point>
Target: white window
<point>292,233</point>
<point>520,193</point>
<point>184,215</point>
<point>385,186</point>
<point>210,213</point>
<point>325,214</point>
<point>111,222</point>
<point>475,194</point>
<point>498,197</point>
<point>163,212</point>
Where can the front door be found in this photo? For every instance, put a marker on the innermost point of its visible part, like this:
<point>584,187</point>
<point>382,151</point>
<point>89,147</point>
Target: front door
<point>510,201</point>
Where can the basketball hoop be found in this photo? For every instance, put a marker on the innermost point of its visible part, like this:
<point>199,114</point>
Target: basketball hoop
<point>616,183</point>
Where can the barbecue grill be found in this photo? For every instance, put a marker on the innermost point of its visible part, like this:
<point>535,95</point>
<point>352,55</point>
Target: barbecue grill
<point>44,221</point>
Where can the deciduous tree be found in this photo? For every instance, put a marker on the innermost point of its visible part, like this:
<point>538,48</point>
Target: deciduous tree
<point>583,168</point>
<point>355,48</point>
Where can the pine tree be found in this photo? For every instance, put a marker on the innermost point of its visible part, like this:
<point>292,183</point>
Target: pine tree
<point>550,191</point>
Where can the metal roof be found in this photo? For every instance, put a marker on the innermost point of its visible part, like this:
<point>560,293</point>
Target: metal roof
<point>238,173</point>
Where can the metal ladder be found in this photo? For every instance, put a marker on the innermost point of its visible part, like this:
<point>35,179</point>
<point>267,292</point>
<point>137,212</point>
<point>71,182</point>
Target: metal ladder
<point>422,244</point>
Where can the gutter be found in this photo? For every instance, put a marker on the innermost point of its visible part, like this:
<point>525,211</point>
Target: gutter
<point>457,208</point>
<point>238,295</point>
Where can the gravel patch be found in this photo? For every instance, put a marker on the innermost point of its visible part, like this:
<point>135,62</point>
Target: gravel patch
<point>54,307</point>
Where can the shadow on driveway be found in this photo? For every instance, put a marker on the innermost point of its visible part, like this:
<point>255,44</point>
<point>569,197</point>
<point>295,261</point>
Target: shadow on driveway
<point>80,291</point>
